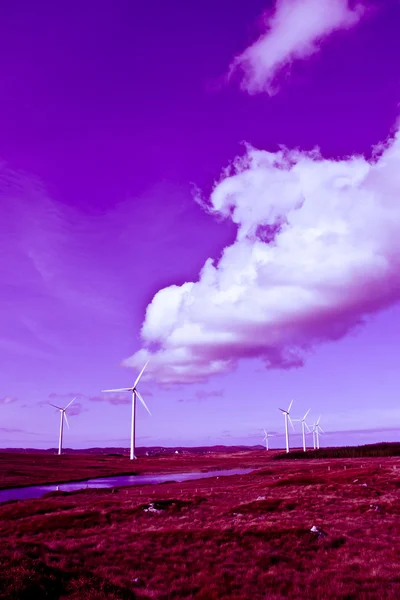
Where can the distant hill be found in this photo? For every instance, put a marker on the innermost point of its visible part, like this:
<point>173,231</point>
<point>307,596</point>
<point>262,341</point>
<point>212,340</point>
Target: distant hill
<point>143,451</point>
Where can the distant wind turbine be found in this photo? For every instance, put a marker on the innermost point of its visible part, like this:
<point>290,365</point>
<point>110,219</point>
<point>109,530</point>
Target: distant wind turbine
<point>63,416</point>
<point>304,426</point>
<point>135,394</point>
<point>287,418</point>
<point>267,435</point>
<point>317,429</point>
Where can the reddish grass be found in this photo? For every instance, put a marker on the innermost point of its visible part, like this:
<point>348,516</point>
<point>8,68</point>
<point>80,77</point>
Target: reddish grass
<point>242,537</point>
<point>18,470</point>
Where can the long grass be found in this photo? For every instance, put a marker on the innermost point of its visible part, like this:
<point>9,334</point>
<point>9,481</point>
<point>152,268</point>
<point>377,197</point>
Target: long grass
<point>242,537</point>
<point>385,449</point>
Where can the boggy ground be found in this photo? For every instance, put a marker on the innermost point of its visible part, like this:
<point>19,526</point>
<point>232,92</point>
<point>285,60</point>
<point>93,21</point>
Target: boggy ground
<point>239,537</point>
<point>20,469</point>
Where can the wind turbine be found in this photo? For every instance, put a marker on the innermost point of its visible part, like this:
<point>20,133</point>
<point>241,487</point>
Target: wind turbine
<point>63,416</point>
<point>316,431</point>
<point>287,418</point>
<point>267,435</point>
<point>135,394</point>
<point>304,426</point>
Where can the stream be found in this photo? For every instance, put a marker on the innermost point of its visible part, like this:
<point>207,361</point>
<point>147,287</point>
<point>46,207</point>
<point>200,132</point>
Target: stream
<point>37,491</point>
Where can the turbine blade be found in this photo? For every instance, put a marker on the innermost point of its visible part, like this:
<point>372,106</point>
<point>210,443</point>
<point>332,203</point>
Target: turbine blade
<point>320,429</point>
<point>142,401</point>
<point>306,415</point>
<point>55,406</point>
<point>318,420</point>
<point>265,432</point>
<point>140,374</point>
<point>66,420</point>
<point>69,403</point>
<point>283,410</point>
<point>291,422</point>
<point>290,406</point>
<point>307,427</point>
<point>119,390</point>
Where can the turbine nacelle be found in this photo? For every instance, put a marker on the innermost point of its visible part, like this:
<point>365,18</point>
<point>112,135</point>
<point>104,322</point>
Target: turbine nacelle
<point>63,410</point>
<point>286,414</point>
<point>266,438</point>
<point>63,413</point>
<point>304,426</point>
<point>317,429</point>
<point>317,426</point>
<point>303,421</point>
<point>135,394</point>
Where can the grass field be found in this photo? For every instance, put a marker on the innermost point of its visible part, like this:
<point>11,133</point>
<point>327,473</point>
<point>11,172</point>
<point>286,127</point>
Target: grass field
<point>368,450</point>
<point>35,468</point>
<point>241,537</point>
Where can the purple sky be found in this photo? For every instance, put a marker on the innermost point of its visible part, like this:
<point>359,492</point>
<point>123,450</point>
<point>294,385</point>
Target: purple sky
<point>118,121</point>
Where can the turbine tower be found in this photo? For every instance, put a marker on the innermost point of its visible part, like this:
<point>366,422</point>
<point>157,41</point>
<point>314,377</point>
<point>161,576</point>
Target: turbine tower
<point>63,416</point>
<point>317,429</point>
<point>304,426</point>
<point>267,435</point>
<point>286,414</point>
<point>135,394</point>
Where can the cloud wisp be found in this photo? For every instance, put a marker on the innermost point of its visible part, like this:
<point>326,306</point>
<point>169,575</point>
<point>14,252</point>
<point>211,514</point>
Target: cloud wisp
<point>294,30</point>
<point>202,395</point>
<point>317,250</point>
<point>62,400</point>
<point>53,268</point>
<point>77,407</point>
<point>7,400</point>
<point>117,399</point>
<point>7,430</point>
<point>114,399</point>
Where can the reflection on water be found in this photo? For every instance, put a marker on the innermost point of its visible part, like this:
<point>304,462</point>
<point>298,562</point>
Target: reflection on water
<point>37,491</point>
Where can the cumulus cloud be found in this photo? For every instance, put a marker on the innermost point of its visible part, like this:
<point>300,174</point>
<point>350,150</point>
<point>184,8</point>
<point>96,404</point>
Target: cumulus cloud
<point>317,250</point>
<point>294,30</point>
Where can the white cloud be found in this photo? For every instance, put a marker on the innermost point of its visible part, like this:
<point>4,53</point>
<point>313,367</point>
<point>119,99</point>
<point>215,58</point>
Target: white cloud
<point>317,249</point>
<point>294,31</point>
